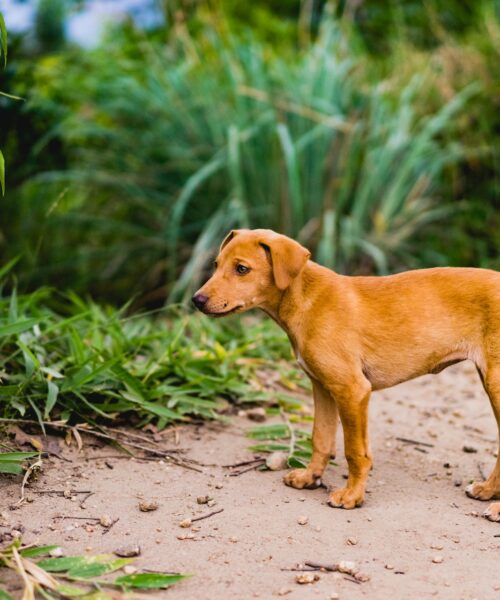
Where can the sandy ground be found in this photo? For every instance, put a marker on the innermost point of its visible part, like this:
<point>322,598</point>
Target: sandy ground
<point>415,513</point>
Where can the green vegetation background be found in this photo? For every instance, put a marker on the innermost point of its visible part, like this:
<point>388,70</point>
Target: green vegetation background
<point>366,130</point>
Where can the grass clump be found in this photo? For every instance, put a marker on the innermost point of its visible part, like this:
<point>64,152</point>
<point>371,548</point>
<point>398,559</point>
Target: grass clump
<point>63,358</point>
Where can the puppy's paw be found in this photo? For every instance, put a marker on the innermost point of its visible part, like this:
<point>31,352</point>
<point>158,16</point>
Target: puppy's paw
<point>302,478</point>
<point>480,491</point>
<point>492,513</point>
<point>346,498</point>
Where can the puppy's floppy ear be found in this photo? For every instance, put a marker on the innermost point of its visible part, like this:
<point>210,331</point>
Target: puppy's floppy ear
<point>227,239</point>
<point>288,258</point>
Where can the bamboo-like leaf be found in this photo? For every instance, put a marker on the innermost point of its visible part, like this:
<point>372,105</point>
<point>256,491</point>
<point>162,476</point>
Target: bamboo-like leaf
<point>148,581</point>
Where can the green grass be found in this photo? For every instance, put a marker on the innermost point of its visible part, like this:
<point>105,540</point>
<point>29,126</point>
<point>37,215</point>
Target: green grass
<point>63,358</point>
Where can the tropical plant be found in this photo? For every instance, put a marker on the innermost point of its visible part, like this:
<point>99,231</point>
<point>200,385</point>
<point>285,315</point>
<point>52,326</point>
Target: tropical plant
<point>76,576</point>
<point>171,147</point>
<point>63,358</point>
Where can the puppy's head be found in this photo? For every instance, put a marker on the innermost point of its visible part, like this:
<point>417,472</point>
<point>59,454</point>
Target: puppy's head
<point>251,267</point>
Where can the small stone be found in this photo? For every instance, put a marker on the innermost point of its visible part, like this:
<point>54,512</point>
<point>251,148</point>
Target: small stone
<point>334,596</point>
<point>277,461</point>
<point>145,506</point>
<point>351,541</point>
<point>67,493</point>
<point>437,560</point>
<point>303,520</point>
<point>203,499</point>
<point>128,551</point>
<point>185,523</point>
<point>469,449</point>
<point>106,521</point>
<point>347,566</point>
<point>437,546</point>
<point>233,539</point>
<point>284,591</point>
<point>304,578</point>
<point>186,536</point>
<point>389,567</point>
<point>56,552</point>
<point>129,569</point>
<point>256,414</point>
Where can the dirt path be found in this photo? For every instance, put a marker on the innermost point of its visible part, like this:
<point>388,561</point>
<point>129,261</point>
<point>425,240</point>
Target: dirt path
<point>416,509</point>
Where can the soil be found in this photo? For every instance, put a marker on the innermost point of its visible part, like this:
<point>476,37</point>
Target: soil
<point>417,535</point>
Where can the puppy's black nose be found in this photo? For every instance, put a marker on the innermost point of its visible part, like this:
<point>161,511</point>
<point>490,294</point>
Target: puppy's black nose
<point>199,300</point>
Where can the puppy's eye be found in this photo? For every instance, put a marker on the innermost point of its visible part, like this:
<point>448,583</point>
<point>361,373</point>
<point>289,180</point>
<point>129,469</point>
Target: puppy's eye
<point>242,270</point>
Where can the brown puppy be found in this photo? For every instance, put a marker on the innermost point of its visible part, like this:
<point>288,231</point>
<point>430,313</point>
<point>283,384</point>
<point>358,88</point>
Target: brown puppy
<point>352,335</point>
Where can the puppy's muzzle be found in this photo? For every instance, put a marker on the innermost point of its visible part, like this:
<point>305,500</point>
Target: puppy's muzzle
<point>199,300</point>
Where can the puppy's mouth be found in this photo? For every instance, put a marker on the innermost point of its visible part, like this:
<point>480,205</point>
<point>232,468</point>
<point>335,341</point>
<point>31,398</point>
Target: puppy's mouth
<point>224,313</point>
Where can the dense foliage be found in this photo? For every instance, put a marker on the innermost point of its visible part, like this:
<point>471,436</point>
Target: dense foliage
<point>62,358</point>
<point>361,136</point>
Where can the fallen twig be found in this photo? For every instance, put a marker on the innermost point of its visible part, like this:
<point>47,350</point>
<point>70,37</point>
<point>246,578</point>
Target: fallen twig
<point>353,579</point>
<point>215,512</point>
<point>243,463</point>
<point>60,492</point>
<point>37,463</point>
<point>82,503</point>
<point>414,442</point>
<point>79,518</point>
<point>481,471</point>
<point>251,468</point>
<point>99,434</point>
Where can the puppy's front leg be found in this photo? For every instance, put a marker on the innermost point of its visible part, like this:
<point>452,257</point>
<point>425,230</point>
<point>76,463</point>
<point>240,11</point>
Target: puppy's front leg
<point>326,417</point>
<point>352,400</point>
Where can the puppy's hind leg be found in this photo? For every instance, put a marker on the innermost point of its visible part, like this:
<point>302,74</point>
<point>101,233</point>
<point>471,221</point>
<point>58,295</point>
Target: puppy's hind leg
<point>485,490</point>
<point>326,418</point>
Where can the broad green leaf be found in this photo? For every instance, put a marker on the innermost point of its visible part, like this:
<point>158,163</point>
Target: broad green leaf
<point>65,563</point>
<point>3,39</point>
<point>5,596</point>
<point>12,468</point>
<point>52,392</point>
<point>149,580</point>
<point>96,569</point>
<point>6,268</point>
<point>16,456</point>
<point>19,327</point>
<point>36,551</point>
<point>72,591</point>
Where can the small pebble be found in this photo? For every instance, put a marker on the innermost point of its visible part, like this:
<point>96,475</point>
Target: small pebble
<point>351,541</point>
<point>304,578</point>
<point>185,523</point>
<point>148,506</point>
<point>437,560</point>
<point>302,520</point>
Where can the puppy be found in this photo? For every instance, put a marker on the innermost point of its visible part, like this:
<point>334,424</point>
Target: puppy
<point>352,335</point>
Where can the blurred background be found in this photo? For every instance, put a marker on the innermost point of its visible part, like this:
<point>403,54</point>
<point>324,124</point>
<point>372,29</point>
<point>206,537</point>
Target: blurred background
<point>367,130</point>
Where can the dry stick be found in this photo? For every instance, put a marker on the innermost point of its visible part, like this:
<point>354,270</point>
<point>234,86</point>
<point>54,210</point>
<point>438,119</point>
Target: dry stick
<point>242,464</point>
<point>26,477</point>
<point>99,434</point>
<point>82,503</point>
<point>415,442</point>
<point>79,518</point>
<point>353,579</point>
<point>61,492</point>
<point>251,468</point>
<point>481,471</point>
<point>215,512</point>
